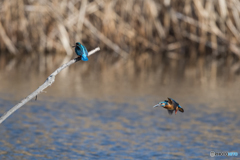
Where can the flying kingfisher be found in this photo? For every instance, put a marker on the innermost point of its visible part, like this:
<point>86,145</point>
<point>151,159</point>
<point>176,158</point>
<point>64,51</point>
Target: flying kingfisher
<point>171,105</point>
<point>81,51</point>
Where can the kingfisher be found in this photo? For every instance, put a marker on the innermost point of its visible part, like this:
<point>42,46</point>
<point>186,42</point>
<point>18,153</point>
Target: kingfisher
<point>81,51</point>
<point>171,105</point>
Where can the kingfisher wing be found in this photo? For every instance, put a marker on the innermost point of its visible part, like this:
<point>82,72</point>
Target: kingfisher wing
<point>170,101</point>
<point>173,101</point>
<point>85,50</point>
<point>170,112</point>
<point>180,108</point>
<point>84,53</point>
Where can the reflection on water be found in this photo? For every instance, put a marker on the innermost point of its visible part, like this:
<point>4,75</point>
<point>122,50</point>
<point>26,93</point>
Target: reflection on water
<point>109,115</point>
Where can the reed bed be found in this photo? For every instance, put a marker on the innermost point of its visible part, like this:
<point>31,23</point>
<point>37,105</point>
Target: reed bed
<point>142,31</point>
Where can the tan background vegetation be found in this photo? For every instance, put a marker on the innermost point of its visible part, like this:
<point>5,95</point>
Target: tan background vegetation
<point>142,30</point>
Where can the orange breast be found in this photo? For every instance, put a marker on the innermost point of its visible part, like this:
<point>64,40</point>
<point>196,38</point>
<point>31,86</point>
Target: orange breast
<point>169,107</point>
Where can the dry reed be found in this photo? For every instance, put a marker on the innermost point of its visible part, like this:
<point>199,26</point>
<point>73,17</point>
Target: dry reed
<point>139,28</point>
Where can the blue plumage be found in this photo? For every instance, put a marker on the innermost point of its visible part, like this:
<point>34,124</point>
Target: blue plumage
<point>81,51</point>
<point>171,105</point>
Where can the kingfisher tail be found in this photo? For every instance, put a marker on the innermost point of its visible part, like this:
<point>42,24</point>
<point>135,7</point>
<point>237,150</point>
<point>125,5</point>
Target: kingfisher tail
<point>84,58</point>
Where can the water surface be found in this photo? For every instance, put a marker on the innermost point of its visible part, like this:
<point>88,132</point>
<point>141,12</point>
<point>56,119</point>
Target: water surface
<point>114,119</point>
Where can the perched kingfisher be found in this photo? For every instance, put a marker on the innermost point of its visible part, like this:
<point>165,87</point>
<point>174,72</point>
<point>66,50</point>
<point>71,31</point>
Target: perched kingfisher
<point>81,51</point>
<point>171,105</point>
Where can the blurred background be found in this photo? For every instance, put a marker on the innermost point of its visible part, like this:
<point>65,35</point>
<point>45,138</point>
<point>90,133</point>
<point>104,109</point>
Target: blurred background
<point>150,50</point>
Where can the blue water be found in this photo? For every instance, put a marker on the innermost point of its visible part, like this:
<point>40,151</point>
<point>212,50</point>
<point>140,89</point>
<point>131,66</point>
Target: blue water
<point>81,128</point>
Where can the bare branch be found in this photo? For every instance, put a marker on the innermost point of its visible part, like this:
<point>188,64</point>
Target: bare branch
<point>47,83</point>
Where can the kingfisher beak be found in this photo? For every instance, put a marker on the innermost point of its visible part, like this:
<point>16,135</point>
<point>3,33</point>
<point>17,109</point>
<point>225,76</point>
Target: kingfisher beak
<point>157,105</point>
<point>73,46</point>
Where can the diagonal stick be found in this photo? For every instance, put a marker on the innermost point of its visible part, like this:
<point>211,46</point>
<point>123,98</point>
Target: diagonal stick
<point>47,83</point>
